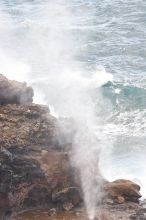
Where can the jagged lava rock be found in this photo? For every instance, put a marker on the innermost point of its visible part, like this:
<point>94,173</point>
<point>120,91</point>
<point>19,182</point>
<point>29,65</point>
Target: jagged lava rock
<point>33,164</point>
<point>27,125</point>
<point>35,169</point>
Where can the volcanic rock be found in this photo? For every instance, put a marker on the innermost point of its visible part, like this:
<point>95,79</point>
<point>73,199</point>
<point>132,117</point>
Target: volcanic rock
<point>23,126</point>
<point>35,169</point>
<point>69,197</point>
<point>33,163</point>
<point>52,212</point>
<point>13,92</point>
<point>123,190</point>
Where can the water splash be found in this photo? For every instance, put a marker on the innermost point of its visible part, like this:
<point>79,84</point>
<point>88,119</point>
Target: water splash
<point>43,51</point>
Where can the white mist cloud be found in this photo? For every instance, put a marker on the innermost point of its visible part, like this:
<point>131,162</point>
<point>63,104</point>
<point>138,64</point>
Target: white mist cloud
<point>40,47</point>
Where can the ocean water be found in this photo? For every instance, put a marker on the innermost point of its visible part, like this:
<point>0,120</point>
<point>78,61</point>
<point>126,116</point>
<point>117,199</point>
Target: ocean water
<point>56,36</point>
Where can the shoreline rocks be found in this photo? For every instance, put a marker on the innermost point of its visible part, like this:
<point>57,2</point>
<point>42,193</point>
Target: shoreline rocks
<point>123,190</point>
<point>35,169</point>
<point>12,92</point>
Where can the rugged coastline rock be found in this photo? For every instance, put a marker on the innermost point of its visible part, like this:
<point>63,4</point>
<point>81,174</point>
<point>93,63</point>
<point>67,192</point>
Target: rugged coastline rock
<point>35,168</point>
<point>123,190</point>
<point>12,91</point>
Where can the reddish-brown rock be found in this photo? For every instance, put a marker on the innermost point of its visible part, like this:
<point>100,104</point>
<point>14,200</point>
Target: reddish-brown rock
<point>27,125</point>
<point>35,169</point>
<point>123,190</point>
<point>33,163</point>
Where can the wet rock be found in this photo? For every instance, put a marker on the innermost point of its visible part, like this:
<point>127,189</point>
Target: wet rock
<point>108,201</point>
<point>4,204</point>
<point>13,92</point>
<point>37,195</point>
<point>33,164</point>
<point>69,197</point>
<point>67,206</point>
<point>133,217</point>
<point>57,169</point>
<point>123,190</point>
<point>52,212</point>
<point>7,215</point>
<point>35,169</point>
<point>27,131</point>
<point>27,184</point>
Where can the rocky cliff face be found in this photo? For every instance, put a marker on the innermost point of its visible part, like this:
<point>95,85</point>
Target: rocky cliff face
<point>14,92</point>
<point>34,157</point>
<point>31,162</point>
<point>34,165</point>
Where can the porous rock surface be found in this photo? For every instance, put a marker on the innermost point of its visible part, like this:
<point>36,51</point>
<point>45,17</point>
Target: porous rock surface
<point>32,164</point>
<point>35,170</point>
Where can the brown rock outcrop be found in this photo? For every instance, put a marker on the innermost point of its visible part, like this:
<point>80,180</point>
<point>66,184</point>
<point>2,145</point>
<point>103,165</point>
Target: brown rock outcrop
<point>14,92</point>
<point>123,190</point>
<point>27,125</point>
<point>35,169</point>
<point>33,163</point>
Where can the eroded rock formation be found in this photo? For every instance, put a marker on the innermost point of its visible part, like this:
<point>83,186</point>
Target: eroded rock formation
<point>123,190</point>
<point>34,157</point>
<point>12,91</point>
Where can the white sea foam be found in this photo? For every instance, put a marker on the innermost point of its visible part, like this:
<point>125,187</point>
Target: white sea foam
<point>40,47</point>
<point>38,44</point>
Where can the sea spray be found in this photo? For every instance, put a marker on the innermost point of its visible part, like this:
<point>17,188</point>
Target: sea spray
<point>42,46</point>
<point>85,159</point>
<point>41,39</point>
